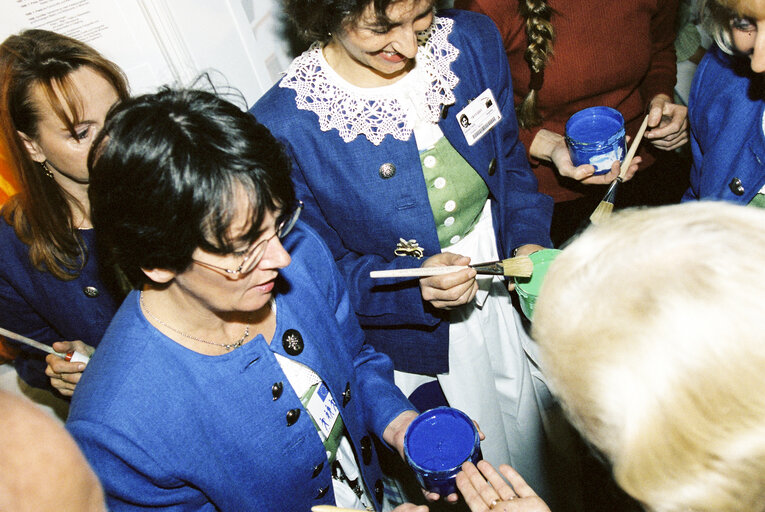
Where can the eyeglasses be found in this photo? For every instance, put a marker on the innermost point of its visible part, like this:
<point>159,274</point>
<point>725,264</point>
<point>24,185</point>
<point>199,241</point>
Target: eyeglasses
<point>255,252</point>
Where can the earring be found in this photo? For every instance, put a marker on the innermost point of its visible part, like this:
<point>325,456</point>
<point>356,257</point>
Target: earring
<point>47,170</point>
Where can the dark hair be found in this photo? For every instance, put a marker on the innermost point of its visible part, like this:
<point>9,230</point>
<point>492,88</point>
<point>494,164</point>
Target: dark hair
<point>539,34</point>
<point>40,212</point>
<point>315,20</point>
<point>164,172</point>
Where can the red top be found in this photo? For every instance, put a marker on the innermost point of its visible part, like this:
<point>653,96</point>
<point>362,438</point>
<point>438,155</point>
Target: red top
<point>617,53</point>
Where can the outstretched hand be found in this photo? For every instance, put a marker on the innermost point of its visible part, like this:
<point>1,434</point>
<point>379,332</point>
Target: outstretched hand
<point>486,490</point>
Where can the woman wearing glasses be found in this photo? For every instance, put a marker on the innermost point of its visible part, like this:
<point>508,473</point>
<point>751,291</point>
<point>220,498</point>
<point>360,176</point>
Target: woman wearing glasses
<point>235,377</point>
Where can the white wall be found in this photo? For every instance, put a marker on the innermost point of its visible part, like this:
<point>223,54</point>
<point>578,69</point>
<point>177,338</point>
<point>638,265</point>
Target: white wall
<point>158,42</point>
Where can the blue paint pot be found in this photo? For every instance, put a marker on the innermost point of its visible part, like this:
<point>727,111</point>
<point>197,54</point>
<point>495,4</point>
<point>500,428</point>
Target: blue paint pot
<point>436,444</point>
<point>595,136</point>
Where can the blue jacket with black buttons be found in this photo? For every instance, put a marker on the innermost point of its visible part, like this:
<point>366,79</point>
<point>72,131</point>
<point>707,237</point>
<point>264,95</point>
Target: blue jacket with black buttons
<point>167,428</point>
<point>725,109</point>
<point>362,209</point>
<point>40,306</point>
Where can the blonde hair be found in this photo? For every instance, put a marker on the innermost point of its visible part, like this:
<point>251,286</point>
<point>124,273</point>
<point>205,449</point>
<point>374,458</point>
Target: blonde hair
<point>652,331</point>
<point>716,16</point>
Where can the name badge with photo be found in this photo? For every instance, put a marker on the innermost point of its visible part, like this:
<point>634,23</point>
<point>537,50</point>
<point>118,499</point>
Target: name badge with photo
<point>479,116</point>
<point>323,409</point>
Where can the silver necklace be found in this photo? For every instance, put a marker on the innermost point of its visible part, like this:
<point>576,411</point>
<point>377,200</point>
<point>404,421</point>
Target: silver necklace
<point>227,346</point>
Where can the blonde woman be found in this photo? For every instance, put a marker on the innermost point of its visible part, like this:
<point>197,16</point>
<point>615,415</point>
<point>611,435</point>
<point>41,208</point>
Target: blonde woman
<point>659,362</point>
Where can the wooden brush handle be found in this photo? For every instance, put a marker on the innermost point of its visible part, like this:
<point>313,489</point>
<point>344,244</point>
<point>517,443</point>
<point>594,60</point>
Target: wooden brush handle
<point>633,148</point>
<point>416,272</point>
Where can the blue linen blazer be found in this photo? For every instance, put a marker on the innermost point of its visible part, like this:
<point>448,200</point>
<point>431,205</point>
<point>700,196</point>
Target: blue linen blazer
<point>725,109</point>
<point>166,428</point>
<point>362,215</point>
<point>40,306</point>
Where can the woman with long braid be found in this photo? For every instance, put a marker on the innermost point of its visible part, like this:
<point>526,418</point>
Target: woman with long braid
<point>567,55</point>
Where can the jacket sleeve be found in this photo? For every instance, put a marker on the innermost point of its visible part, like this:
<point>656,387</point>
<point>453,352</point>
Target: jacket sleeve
<point>524,213</point>
<point>381,399</point>
<point>132,478</point>
<point>19,316</point>
<point>694,119</point>
<point>506,16</point>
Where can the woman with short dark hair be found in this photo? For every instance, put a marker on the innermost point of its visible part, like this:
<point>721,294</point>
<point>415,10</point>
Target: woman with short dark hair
<point>235,377</point>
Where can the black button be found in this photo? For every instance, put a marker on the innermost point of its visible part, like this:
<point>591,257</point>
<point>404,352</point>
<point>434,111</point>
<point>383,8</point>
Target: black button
<point>337,470</point>
<point>379,490</point>
<point>292,416</point>
<point>736,187</point>
<point>317,469</point>
<point>91,291</point>
<point>292,342</point>
<point>387,170</point>
<point>322,492</point>
<point>277,389</point>
<point>492,166</point>
<point>444,111</point>
<point>347,394</point>
<point>366,450</point>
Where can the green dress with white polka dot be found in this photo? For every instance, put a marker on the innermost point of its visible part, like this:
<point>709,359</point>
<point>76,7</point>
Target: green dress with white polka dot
<point>456,192</point>
<point>758,200</point>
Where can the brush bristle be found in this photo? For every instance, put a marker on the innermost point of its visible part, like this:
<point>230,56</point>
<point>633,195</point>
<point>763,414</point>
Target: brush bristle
<point>520,266</point>
<point>602,212</point>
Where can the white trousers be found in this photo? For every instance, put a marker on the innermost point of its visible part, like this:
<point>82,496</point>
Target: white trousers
<point>492,374</point>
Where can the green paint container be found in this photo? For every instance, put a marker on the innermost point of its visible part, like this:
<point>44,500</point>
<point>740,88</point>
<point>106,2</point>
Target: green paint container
<point>528,287</point>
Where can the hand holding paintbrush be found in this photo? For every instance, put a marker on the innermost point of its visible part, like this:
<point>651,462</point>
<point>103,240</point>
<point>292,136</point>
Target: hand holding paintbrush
<point>606,206</point>
<point>519,266</point>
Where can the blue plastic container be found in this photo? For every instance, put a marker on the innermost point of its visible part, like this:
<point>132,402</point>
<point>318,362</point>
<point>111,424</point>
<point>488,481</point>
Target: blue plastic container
<point>436,445</point>
<point>596,136</point>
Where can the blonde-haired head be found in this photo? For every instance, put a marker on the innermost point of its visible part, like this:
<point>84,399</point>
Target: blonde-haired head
<point>652,330</point>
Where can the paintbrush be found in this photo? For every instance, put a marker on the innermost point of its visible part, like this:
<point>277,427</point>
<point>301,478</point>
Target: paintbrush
<point>606,206</point>
<point>519,266</point>
<point>73,356</point>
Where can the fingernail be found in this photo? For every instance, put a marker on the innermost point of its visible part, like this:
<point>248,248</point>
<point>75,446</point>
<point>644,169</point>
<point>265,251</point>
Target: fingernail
<point>80,367</point>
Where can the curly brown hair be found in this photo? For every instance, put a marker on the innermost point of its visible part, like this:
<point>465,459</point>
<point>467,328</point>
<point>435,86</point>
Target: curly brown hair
<point>316,20</point>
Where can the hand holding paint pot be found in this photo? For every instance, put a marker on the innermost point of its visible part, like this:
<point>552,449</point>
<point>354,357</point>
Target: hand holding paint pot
<point>596,136</point>
<point>528,287</point>
<point>436,445</point>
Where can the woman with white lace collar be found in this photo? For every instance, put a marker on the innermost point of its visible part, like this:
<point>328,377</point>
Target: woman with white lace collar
<point>391,178</point>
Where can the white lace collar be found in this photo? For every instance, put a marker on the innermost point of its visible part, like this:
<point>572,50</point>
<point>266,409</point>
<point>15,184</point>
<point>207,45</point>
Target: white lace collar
<point>377,111</point>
